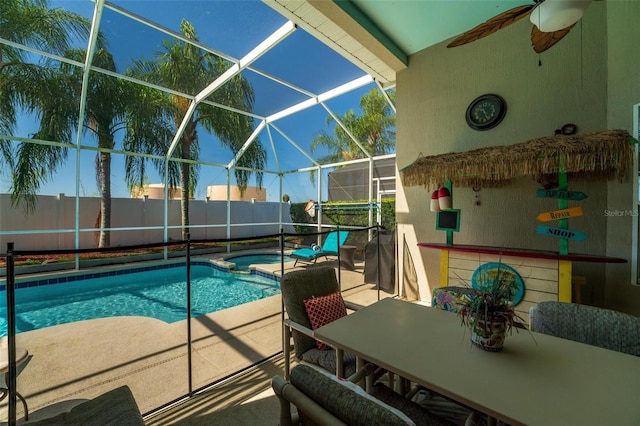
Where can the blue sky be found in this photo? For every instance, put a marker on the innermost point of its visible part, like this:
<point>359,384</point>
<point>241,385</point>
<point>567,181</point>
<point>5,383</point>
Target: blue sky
<point>232,28</point>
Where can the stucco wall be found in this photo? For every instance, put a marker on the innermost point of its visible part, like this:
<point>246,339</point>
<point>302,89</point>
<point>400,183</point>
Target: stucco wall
<point>570,86</point>
<point>623,79</point>
<point>55,216</point>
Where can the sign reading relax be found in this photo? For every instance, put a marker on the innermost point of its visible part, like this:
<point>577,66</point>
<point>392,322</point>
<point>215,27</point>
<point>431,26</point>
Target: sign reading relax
<point>561,233</point>
<point>560,214</point>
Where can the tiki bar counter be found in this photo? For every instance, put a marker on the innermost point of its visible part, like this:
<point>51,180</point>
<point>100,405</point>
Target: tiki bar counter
<point>543,274</point>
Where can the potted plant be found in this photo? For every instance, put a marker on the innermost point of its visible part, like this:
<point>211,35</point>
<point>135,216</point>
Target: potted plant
<point>489,311</point>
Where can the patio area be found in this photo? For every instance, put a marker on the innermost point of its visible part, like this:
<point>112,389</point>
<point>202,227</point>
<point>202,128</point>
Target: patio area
<point>73,362</point>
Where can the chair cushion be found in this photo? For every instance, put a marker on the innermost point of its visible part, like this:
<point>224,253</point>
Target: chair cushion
<point>297,286</point>
<point>345,400</point>
<point>324,309</point>
<point>328,361</point>
<point>307,253</point>
<point>420,415</point>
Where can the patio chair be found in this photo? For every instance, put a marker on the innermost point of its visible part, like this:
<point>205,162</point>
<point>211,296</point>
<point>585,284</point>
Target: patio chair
<point>296,287</point>
<point>587,324</point>
<point>450,298</point>
<point>22,355</point>
<point>322,399</point>
<point>330,246</point>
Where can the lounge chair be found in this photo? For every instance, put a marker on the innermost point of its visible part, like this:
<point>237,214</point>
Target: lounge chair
<point>331,245</point>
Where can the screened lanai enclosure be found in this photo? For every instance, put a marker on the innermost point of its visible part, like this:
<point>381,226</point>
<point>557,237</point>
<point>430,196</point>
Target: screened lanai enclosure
<point>100,101</point>
<point>187,95</point>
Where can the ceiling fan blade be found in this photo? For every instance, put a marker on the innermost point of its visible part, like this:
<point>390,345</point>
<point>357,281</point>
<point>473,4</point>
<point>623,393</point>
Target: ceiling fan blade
<point>543,41</point>
<point>492,25</point>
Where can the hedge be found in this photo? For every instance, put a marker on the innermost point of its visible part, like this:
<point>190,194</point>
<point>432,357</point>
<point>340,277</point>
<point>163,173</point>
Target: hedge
<point>354,213</point>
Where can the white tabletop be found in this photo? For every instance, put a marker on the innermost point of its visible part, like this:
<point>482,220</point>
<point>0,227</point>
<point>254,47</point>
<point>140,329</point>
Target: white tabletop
<point>535,380</point>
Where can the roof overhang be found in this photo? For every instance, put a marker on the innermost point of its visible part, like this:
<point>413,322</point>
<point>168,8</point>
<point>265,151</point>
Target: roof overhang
<point>347,31</point>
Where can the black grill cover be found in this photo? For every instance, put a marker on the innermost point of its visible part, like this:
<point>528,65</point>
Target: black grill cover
<point>386,241</point>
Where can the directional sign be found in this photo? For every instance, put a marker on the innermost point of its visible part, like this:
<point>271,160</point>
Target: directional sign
<point>560,214</point>
<point>561,233</point>
<point>563,195</point>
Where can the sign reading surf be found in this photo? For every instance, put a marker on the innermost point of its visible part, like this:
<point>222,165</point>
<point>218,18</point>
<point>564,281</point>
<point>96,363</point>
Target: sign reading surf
<point>562,195</point>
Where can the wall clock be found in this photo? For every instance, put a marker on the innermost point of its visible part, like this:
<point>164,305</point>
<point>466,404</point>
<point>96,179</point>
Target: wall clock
<point>486,112</point>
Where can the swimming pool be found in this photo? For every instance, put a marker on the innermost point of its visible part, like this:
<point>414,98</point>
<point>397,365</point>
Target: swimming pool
<point>157,291</point>
<point>243,262</point>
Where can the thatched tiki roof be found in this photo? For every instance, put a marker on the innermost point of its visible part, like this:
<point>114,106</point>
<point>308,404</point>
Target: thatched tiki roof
<point>605,154</point>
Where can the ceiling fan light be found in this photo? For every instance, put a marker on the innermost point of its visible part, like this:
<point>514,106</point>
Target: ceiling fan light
<point>555,15</point>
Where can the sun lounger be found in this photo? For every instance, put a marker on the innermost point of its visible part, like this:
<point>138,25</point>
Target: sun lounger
<point>330,246</point>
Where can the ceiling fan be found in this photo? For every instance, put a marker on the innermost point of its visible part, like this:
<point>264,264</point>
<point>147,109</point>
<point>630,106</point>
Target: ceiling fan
<point>551,19</point>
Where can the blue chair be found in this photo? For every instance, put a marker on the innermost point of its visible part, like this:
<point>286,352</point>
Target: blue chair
<point>330,246</point>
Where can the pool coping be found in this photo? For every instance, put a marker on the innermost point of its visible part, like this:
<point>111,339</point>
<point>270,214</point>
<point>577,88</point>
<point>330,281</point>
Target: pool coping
<point>114,261</point>
<point>222,261</point>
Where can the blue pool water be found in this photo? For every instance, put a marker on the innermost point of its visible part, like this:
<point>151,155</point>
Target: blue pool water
<point>243,262</point>
<point>157,293</point>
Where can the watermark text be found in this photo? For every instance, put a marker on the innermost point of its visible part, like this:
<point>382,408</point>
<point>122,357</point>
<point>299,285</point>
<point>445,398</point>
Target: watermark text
<point>621,213</point>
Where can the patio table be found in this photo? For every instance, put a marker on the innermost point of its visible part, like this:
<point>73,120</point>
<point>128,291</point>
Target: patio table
<point>535,380</point>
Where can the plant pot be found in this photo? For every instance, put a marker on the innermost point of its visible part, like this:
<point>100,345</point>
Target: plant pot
<point>488,334</point>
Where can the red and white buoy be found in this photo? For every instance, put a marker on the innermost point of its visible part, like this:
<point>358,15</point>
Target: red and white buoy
<point>444,199</point>
<point>435,204</point>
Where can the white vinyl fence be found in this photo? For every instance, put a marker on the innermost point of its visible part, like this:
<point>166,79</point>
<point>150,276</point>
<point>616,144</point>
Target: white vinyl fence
<point>133,221</point>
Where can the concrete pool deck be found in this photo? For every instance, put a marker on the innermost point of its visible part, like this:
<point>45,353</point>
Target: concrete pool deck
<point>73,362</point>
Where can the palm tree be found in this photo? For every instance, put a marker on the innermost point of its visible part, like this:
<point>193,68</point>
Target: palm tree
<point>374,129</point>
<point>185,68</point>
<point>108,105</point>
<point>106,109</point>
<point>53,95</point>
<point>23,84</point>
